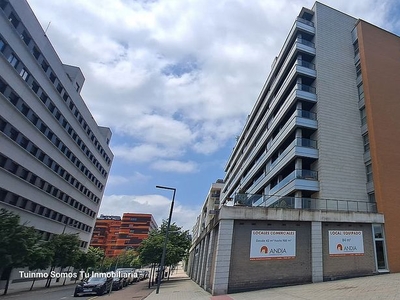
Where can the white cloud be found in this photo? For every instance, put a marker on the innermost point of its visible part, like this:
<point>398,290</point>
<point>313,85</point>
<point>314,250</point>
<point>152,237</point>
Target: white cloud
<point>156,205</point>
<point>144,152</point>
<point>115,180</point>
<point>124,46</point>
<point>175,166</point>
<point>220,51</point>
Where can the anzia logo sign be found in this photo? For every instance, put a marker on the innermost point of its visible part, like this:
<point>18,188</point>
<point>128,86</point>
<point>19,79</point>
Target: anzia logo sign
<point>272,244</point>
<point>345,242</point>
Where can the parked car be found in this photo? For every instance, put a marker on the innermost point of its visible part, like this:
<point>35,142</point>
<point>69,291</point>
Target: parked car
<point>93,285</point>
<point>117,283</point>
<point>140,274</point>
<point>128,274</point>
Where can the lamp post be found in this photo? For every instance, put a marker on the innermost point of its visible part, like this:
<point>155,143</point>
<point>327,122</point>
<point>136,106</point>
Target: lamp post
<point>166,235</point>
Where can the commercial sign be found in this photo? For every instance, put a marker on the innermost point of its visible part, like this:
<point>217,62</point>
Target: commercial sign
<point>272,244</point>
<point>345,242</point>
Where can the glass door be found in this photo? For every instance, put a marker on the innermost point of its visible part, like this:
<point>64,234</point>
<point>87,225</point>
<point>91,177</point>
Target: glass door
<point>380,248</point>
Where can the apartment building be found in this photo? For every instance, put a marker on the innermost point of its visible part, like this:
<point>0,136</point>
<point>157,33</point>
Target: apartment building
<point>310,186</point>
<point>54,158</point>
<point>116,235</point>
<point>105,233</point>
<point>209,209</point>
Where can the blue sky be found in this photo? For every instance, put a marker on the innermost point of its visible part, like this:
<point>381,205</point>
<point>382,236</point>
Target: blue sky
<point>175,81</point>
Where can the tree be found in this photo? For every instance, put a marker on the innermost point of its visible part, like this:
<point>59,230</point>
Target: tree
<point>17,247</point>
<point>66,251</point>
<point>40,257</point>
<point>90,259</point>
<point>150,250</point>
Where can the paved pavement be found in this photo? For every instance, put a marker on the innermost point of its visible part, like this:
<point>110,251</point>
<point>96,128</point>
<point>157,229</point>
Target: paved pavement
<point>381,287</point>
<point>180,287</point>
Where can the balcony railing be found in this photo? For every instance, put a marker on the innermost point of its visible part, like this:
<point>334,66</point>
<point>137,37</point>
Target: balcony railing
<point>306,64</point>
<point>305,21</point>
<point>305,42</point>
<point>306,88</point>
<point>256,200</point>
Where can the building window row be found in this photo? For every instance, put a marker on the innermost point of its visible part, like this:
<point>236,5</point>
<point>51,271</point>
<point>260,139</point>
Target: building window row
<point>25,36</point>
<point>40,210</point>
<point>34,150</point>
<point>18,170</point>
<point>363,114</point>
<point>25,75</point>
<point>35,120</point>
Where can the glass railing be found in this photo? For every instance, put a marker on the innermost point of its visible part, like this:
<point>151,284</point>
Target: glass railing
<point>305,42</point>
<point>325,204</point>
<point>257,200</point>
<point>306,88</point>
<point>306,114</point>
<point>305,21</point>
<point>303,142</point>
<point>306,64</point>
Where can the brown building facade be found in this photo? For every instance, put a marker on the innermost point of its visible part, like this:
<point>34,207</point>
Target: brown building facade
<point>380,67</point>
<point>115,235</point>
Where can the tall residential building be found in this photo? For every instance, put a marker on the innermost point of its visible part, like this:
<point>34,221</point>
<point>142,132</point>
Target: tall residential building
<point>209,209</point>
<point>115,235</point>
<point>314,172</point>
<point>54,158</point>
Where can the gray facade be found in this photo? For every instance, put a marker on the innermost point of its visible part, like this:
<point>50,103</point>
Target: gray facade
<point>54,158</point>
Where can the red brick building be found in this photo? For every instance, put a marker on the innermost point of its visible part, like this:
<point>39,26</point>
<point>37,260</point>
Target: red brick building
<point>114,235</point>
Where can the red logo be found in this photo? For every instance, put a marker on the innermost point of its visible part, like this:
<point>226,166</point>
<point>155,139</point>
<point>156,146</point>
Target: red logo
<point>339,247</point>
<point>264,249</point>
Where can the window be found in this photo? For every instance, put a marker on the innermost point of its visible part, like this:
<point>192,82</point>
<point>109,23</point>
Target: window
<point>368,168</point>
<point>1,45</point>
<point>358,70</point>
<point>356,48</point>
<point>361,92</point>
<point>52,77</point>
<point>24,74</point>
<point>25,37</point>
<point>13,60</point>
<point>36,52</point>
<point>13,19</point>
<point>45,65</point>
<point>363,116</point>
<point>366,142</point>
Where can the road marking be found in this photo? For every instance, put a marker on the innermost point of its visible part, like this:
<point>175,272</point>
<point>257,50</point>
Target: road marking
<point>92,298</point>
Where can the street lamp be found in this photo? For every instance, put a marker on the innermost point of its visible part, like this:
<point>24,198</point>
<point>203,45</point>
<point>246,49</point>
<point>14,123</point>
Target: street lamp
<point>166,235</point>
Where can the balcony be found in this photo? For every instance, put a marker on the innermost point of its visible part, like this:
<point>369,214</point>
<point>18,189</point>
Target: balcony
<point>299,118</point>
<point>305,147</point>
<point>326,204</point>
<point>257,200</point>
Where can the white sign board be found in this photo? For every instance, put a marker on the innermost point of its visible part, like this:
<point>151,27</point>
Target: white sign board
<point>272,244</point>
<point>345,242</point>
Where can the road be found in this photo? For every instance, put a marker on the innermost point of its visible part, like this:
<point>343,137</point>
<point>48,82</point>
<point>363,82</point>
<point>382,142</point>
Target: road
<point>137,291</point>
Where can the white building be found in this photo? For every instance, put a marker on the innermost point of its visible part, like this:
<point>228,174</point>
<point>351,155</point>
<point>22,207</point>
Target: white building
<point>54,158</point>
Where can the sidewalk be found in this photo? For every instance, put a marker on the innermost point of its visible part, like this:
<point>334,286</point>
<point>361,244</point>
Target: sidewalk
<point>381,287</point>
<point>39,284</point>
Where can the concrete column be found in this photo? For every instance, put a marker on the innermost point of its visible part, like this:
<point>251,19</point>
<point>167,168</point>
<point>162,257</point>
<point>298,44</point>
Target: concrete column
<point>204,259</point>
<point>223,258</point>
<point>297,199</point>
<point>316,252</point>
<point>200,260</point>
<point>207,261</point>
